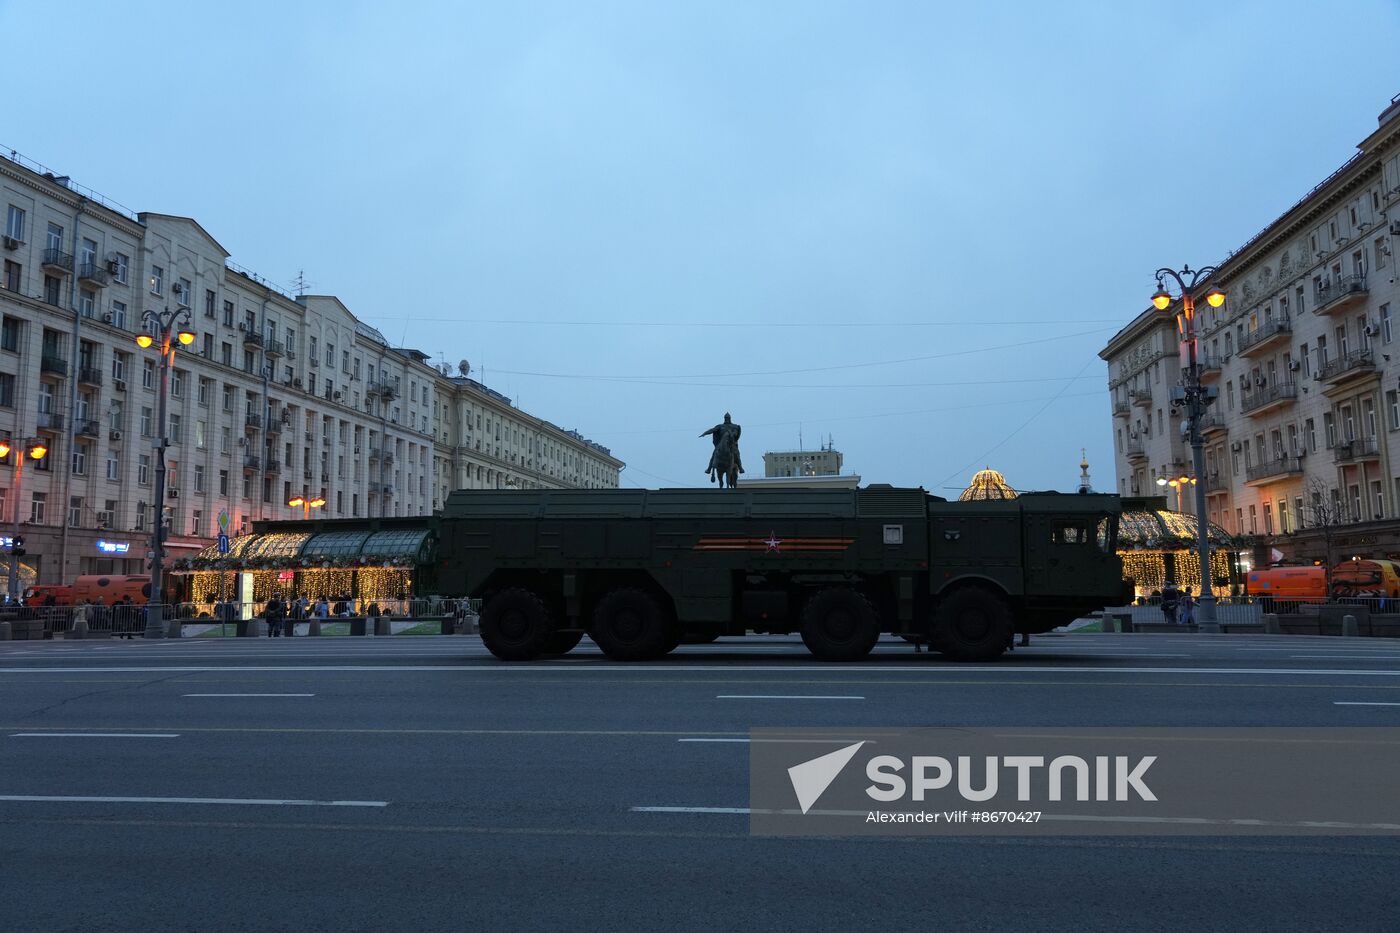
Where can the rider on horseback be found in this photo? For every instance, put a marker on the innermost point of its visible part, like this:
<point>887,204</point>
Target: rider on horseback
<point>726,441</point>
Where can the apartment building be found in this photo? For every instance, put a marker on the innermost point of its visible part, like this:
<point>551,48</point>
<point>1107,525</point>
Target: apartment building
<point>278,396</point>
<point>1305,355</point>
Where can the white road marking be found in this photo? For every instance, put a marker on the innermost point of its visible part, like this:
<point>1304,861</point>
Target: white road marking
<point>774,741</point>
<point>759,696</point>
<point>1360,703</point>
<point>248,694</point>
<point>932,668</point>
<point>94,735</point>
<point>233,801</point>
<point>740,810</point>
<point>1344,657</point>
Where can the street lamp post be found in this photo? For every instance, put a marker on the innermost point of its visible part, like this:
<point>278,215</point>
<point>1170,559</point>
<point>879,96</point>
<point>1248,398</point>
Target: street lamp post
<point>163,327</point>
<point>1195,398</point>
<point>36,452</point>
<point>306,505</point>
<point>1177,482</point>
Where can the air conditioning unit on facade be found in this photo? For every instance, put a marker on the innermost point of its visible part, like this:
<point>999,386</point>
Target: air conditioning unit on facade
<point>243,442</point>
<point>108,318</point>
<point>12,243</point>
<point>119,385</point>
<point>113,266</point>
<point>243,327</point>
<point>115,435</point>
<point>172,493</point>
<point>1370,330</point>
<point>1395,228</point>
<point>1293,366</point>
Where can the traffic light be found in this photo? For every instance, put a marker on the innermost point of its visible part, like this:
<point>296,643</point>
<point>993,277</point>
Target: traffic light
<point>17,549</point>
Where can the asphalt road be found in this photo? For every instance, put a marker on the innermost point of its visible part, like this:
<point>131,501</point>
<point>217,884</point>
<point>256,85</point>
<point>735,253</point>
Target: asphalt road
<point>415,783</point>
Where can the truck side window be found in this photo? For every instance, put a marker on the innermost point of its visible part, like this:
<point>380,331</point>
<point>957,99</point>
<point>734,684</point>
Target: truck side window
<point>1105,536</point>
<point>1071,534</point>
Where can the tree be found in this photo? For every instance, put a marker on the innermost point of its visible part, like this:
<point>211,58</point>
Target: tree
<point>1325,514</point>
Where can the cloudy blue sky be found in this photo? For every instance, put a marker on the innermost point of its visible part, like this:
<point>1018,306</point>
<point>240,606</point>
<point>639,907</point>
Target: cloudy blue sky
<point>909,227</point>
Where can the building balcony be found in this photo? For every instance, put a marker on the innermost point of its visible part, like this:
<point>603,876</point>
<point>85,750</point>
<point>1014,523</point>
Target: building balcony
<point>1135,450</point>
<point>1358,364</point>
<point>274,424</point>
<point>94,274</point>
<point>388,390</point>
<point>1272,471</point>
<point>274,466</point>
<point>252,422</point>
<point>48,421</point>
<point>1269,398</point>
<point>1212,423</point>
<point>386,455</point>
<point>274,348</point>
<point>1142,397</point>
<point>90,375</point>
<point>252,341</point>
<point>1355,451</point>
<point>53,365</point>
<point>56,260</point>
<point>1211,366</point>
<point>1121,409</point>
<point>90,428</point>
<point>251,462</point>
<point>1339,294</point>
<point>374,453</point>
<point>1215,483</point>
<point>1267,335</point>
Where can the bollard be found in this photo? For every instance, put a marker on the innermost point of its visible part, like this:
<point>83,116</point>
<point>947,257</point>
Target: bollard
<point>383,625</point>
<point>1271,626</point>
<point>5,633</point>
<point>314,628</point>
<point>175,629</point>
<point>1349,627</point>
<point>78,630</point>
<point>1106,623</point>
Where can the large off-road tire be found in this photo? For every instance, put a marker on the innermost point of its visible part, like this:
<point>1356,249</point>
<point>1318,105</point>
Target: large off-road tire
<point>516,624</point>
<point>630,624</point>
<point>840,624</point>
<point>972,624</point>
<point>559,643</point>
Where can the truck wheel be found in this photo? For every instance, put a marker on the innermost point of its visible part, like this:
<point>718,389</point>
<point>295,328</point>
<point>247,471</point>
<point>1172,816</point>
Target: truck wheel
<point>630,625</point>
<point>839,624</point>
<point>561,642</point>
<point>516,625</point>
<point>972,624</point>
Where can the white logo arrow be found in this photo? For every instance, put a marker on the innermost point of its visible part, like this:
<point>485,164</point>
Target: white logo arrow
<point>811,778</point>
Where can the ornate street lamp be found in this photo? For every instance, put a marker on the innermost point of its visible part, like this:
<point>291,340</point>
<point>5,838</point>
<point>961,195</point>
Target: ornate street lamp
<point>1194,397</point>
<point>306,505</point>
<point>35,451</point>
<point>170,327</point>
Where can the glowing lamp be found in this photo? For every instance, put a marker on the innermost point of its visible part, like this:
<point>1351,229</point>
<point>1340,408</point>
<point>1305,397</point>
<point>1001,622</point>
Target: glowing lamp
<point>317,503</point>
<point>144,341</point>
<point>1215,297</point>
<point>296,502</point>
<point>1161,299</point>
<point>1161,481</point>
<point>38,452</point>
<point>186,337</point>
<point>4,448</point>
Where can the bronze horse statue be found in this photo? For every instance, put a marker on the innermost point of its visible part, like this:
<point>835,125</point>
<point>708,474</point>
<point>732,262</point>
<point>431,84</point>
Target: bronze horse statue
<point>725,463</point>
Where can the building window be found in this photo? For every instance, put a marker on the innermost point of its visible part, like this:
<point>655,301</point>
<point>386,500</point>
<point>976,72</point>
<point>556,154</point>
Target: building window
<point>223,482</point>
<point>75,511</point>
<point>247,361</point>
<point>174,429</point>
<point>123,266</point>
<point>197,522</point>
<point>157,280</point>
<point>80,452</point>
<point>226,354</point>
<point>119,314</point>
<point>209,300</point>
<point>201,429</point>
<point>146,419</point>
<point>177,383</point>
<point>1385,323</point>
<point>185,292</point>
<point>37,502</point>
<point>14,279</point>
<point>202,393</point>
<point>87,302</point>
<point>1392,408</point>
<point>228,314</point>
<point>55,238</point>
<point>225,439</point>
<point>148,374</point>
<point>52,290</point>
<point>14,223</point>
<point>7,390</point>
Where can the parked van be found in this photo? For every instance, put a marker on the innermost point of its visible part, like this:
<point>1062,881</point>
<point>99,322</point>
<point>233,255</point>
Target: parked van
<point>1366,578</point>
<point>1290,585</point>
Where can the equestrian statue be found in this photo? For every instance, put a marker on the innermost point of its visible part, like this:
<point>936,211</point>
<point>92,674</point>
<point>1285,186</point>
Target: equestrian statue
<point>725,464</point>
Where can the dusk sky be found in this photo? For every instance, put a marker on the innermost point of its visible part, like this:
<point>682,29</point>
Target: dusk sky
<point>909,227</point>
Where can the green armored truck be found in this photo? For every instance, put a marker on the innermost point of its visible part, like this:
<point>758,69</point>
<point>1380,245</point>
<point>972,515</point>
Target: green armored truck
<point>638,570</point>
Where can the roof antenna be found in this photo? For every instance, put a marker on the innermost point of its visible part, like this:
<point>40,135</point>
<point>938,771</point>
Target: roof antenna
<point>301,283</point>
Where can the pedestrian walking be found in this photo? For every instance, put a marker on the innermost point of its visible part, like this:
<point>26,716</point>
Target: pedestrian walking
<point>1171,599</point>
<point>1186,608</point>
<point>273,613</point>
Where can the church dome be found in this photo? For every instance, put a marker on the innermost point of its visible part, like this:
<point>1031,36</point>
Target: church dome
<point>987,484</point>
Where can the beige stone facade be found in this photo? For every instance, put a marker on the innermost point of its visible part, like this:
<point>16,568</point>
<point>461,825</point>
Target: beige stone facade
<point>1305,355</point>
<point>279,395</point>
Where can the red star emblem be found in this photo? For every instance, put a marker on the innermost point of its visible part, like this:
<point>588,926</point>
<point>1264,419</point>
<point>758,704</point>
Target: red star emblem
<point>773,541</point>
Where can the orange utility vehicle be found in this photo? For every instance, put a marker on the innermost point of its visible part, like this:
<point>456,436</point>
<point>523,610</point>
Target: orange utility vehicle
<point>110,587</point>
